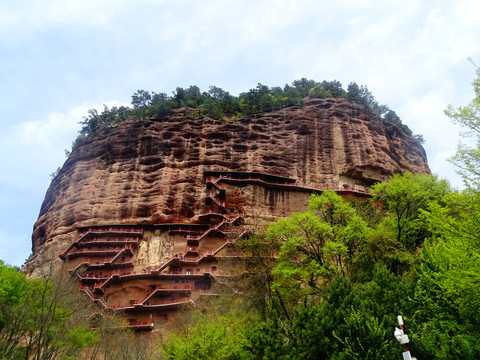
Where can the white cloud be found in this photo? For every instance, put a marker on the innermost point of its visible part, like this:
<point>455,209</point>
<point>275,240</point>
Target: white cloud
<point>41,14</point>
<point>40,145</point>
<point>411,55</point>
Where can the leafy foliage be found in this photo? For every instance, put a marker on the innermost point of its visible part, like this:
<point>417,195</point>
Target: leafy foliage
<point>316,245</point>
<point>216,333</point>
<point>41,319</point>
<point>467,158</point>
<point>220,104</point>
<point>353,322</point>
<point>47,319</point>
<point>405,196</point>
<point>447,295</point>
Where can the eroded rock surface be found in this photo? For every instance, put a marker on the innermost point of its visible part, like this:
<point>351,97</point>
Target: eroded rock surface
<point>153,172</point>
<point>147,215</point>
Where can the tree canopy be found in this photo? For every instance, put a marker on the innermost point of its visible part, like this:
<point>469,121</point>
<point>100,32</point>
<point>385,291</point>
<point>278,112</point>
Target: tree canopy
<point>220,104</point>
<point>467,158</point>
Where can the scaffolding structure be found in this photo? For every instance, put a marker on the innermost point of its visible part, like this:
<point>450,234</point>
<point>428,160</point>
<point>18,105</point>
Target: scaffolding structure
<point>103,258</point>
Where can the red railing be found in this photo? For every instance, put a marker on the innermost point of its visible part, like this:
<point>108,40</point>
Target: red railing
<point>134,240</point>
<point>115,249</point>
<point>215,200</point>
<point>93,276</point>
<point>170,301</point>
<point>63,254</point>
<point>113,230</point>
<point>279,183</point>
<point>137,324</point>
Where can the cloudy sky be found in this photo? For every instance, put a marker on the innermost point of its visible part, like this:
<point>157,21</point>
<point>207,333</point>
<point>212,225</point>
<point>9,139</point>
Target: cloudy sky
<point>60,58</point>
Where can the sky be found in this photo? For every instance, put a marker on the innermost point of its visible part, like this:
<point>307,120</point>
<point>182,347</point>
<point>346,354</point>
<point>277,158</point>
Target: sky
<point>60,58</point>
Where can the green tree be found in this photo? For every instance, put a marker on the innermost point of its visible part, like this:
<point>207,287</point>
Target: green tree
<point>353,321</point>
<point>257,279</point>
<point>447,295</point>
<point>13,287</point>
<point>327,89</point>
<point>365,338</point>
<point>404,196</point>
<point>42,318</point>
<point>267,340</point>
<point>212,108</point>
<point>361,316</point>
<point>141,99</point>
<point>316,245</point>
<point>303,86</point>
<point>335,88</point>
<point>161,106</point>
<point>216,92</point>
<point>467,159</point>
<point>216,332</point>
<point>361,95</point>
<point>108,118</point>
<point>57,322</point>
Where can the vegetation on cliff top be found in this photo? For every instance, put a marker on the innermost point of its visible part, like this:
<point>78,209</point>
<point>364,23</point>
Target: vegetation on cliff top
<point>218,103</point>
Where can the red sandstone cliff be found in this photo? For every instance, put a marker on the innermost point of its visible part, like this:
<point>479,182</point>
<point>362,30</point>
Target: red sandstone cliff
<point>152,172</point>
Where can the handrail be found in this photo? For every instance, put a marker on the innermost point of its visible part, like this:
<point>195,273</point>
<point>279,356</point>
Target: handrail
<point>283,184</point>
<point>76,242</point>
<point>108,249</point>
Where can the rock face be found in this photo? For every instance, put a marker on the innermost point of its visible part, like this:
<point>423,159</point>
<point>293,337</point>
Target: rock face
<point>215,180</point>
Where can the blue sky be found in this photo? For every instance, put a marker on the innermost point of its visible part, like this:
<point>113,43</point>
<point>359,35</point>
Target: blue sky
<point>60,58</point>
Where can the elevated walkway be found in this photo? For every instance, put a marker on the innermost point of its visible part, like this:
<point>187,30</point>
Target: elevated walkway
<point>107,252</point>
<point>273,181</point>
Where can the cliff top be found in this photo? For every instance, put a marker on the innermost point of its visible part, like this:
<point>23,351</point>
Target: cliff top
<point>217,103</point>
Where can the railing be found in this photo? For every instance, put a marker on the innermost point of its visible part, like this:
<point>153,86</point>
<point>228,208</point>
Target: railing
<point>283,184</point>
<point>113,230</point>
<point>170,302</point>
<point>120,254</point>
<point>360,191</point>
<point>170,287</point>
<point>107,240</point>
<point>98,285</point>
<point>190,272</point>
<point>140,324</point>
<point>101,263</point>
<point>214,183</point>
<point>95,298</point>
<point>182,228</point>
<point>99,250</point>
<point>215,200</point>
<point>211,212</point>
<point>202,255</point>
<point>134,304</point>
<point>250,178</point>
<point>76,242</point>
<point>226,220</point>
<point>110,230</point>
<point>93,276</point>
